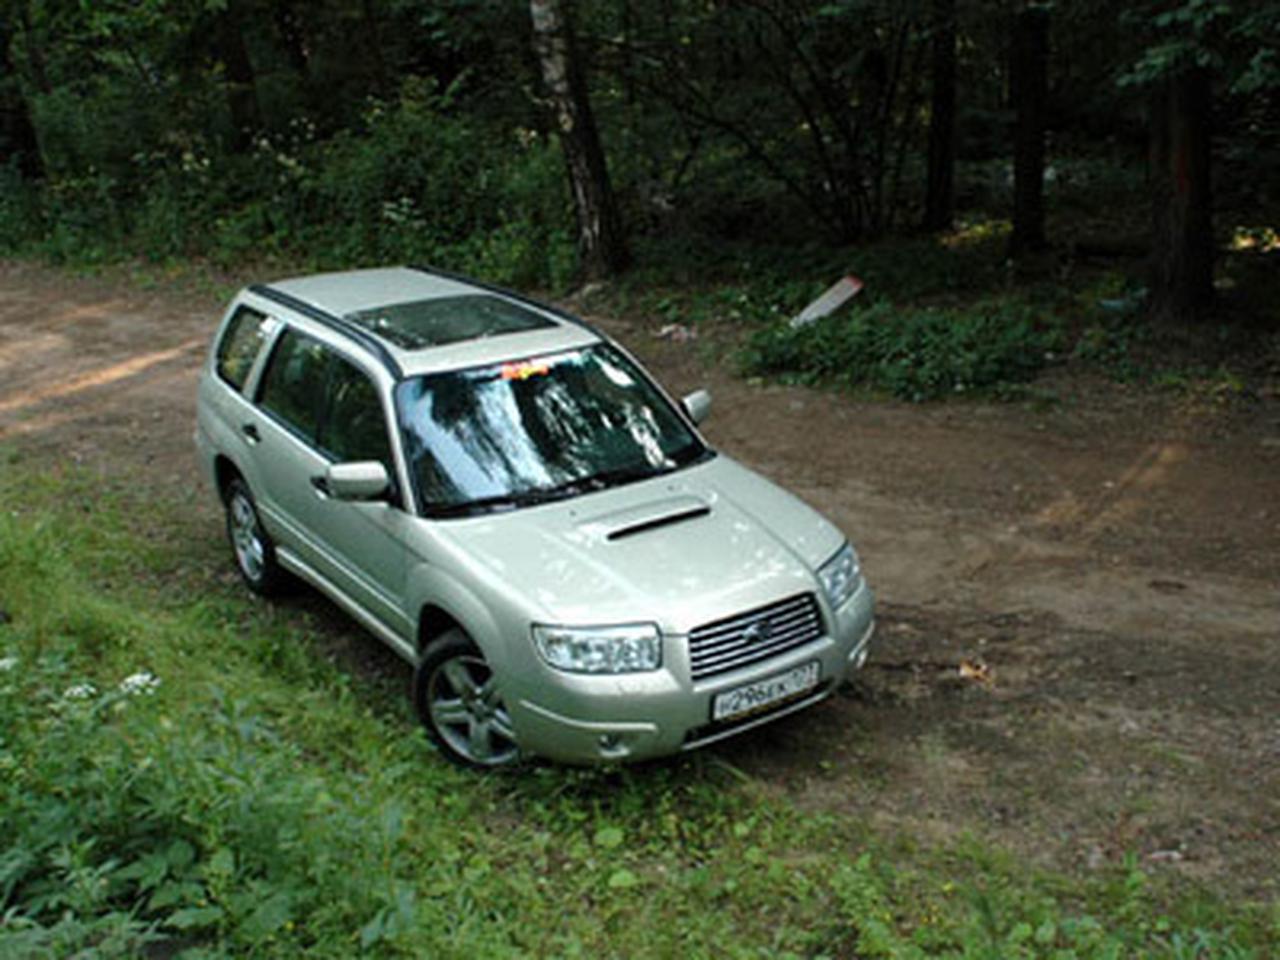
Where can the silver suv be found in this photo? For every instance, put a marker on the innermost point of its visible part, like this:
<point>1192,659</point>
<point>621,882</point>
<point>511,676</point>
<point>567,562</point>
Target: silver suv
<point>500,493</point>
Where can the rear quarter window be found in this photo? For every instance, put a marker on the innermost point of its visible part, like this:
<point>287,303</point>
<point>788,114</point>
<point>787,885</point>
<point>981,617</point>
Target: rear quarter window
<point>239,346</point>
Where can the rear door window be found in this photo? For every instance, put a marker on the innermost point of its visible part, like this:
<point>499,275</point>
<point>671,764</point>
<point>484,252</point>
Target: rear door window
<point>239,346</point>
<point>293,388</point>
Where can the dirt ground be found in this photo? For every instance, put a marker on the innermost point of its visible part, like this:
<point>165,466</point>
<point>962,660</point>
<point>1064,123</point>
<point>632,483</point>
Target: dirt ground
<point>1079,604</point>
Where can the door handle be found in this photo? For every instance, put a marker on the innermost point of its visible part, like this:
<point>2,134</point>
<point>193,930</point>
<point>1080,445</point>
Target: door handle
<point>251,432</point>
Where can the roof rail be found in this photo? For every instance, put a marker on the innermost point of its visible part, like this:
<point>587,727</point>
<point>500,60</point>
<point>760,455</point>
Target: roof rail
<point>324,317</point>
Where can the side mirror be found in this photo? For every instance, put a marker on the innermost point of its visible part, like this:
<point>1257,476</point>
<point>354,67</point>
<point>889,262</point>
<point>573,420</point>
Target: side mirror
<point>363,480</point>
<point>697,405</point>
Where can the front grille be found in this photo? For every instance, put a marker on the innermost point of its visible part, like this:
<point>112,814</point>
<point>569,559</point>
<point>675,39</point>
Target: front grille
<point>754,636</point>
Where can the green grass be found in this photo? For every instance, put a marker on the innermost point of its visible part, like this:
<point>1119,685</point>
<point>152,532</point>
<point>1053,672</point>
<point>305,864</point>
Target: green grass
<point>261,800</point>
<point>937,317</point>
<point>697,280</point>
<point>985,347</point>
<point>945,315</point>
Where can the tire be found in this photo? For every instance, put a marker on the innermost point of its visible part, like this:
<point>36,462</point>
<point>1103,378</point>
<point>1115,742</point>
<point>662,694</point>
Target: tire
<point>455,693</point>
<point>251,547</point>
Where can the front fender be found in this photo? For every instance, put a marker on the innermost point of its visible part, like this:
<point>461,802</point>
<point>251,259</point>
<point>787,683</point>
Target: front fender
<point>493,620</point>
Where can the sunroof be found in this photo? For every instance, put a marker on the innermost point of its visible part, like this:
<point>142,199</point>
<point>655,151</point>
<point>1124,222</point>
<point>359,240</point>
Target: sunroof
<point>444,320</point>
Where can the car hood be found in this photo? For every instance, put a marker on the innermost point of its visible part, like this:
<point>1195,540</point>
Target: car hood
<point>678,550</point>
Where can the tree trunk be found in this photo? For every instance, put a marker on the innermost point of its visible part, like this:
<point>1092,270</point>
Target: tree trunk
<point>293,37</point>
<point>940,192</point>
<point>602,247</point>
<point>1029,69</point>
<point>241,86</point>
<point>374,49</point>
<point>33,51</point>
<point>17,132</point>
<point>1181,265</point>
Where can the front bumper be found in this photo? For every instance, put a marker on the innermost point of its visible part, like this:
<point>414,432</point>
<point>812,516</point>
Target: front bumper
<point>603,719</point>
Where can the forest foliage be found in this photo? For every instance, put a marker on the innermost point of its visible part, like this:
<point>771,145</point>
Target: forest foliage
<point>329,135</point>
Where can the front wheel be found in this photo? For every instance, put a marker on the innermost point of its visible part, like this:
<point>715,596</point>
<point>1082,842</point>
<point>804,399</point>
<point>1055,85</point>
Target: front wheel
<point>457,698</point>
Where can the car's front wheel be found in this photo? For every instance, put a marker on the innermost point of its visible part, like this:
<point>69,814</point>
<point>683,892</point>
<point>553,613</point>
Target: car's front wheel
<point>254,553</point>
<point>457,697</point>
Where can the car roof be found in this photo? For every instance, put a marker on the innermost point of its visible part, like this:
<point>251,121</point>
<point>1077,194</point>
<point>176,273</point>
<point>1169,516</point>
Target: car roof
<point>417,320</point>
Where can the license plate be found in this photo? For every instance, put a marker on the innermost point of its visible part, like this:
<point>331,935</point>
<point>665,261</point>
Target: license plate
<point>765,693</point>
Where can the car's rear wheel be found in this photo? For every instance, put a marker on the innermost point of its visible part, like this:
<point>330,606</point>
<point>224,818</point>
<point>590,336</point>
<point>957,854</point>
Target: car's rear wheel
<point>251,546</point>
<point>457,697</point>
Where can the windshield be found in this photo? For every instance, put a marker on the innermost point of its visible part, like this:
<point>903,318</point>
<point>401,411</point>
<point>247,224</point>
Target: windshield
<point>528,431</point>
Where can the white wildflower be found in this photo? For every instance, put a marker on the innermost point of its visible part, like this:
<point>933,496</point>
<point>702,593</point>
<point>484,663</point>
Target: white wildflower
<point>7,664</point>
<point>141,682</point>
<point>80,691</point>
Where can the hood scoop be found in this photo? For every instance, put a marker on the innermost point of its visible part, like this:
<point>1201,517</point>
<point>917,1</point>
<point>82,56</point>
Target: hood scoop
<point>647,516</point>
<point>678,517</point>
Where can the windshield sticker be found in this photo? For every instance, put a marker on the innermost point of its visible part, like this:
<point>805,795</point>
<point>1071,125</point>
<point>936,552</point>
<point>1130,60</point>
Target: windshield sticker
<point>524,369</point>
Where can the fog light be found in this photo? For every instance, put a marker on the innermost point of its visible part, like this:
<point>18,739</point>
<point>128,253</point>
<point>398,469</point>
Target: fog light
<point>609,742</point>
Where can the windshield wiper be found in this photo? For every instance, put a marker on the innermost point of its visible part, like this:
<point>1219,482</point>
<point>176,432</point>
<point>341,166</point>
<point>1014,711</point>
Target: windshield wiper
<point>497,503</point>
<point>570,488</point>
<point>622,475</point>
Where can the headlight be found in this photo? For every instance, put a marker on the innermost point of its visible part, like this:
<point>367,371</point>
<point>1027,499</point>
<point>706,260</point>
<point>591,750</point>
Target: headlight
<point>841,576</point>
<point>629,648</point>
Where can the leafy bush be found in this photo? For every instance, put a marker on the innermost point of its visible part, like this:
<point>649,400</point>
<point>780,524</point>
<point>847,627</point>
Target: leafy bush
<point>417,183</point>
<point>163,809</point>
<point>19,208</point>
<point>414,182</point>
<point>1110,343</point>
<point>912,353</point>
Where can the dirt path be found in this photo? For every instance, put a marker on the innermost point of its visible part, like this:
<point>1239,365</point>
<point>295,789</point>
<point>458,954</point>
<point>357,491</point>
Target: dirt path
<point>1110,567</point>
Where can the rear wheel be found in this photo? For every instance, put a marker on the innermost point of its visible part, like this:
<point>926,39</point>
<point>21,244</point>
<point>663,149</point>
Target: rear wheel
<point>457,697</point>
<point>254,553</point>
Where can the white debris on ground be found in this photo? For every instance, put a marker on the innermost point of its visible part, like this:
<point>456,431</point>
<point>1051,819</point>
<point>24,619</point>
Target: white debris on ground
<point>835,297</point>
<point>677,332</point>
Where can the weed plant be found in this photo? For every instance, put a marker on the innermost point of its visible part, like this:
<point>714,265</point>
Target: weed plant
<point>910,353</point>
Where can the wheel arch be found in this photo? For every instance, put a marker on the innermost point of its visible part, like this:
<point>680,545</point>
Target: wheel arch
<point>435,621</point>
<point>224,471</point>
<point>445,604</point>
